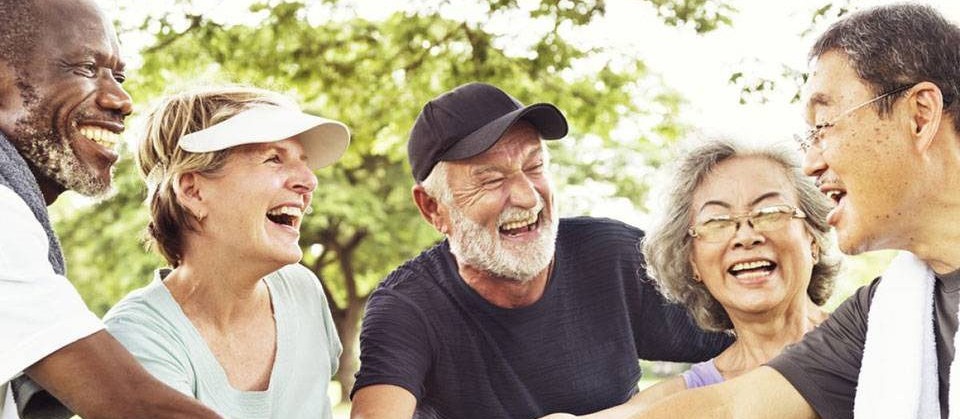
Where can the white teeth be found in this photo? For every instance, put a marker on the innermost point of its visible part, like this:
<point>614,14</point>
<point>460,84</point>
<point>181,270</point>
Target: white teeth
<point>291,211</point>
<point>751,274</point>
<point>834,195</point>
<point>510,225</point>
<point>100,136</point>
<point>742,266</point>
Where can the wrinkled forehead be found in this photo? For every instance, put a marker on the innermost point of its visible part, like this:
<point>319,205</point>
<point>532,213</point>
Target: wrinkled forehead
<point>742,182</point>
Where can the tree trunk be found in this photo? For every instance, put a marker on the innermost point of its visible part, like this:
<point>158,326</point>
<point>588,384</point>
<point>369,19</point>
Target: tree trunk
<point>348,327</point>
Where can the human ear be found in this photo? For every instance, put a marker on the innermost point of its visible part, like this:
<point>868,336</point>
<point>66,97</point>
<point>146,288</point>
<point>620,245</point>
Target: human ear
<point>430,209</point>
<point>188,189</point>
<point>696,272</point>
<point>926,110</point>
<point>815,252</point>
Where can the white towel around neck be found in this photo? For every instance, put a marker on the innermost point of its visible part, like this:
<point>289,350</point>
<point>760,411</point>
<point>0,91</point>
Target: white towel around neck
<point>898,375</point>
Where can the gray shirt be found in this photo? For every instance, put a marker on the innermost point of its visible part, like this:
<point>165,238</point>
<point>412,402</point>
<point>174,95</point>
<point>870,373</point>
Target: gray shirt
<point>151,325</point>
<point>825,365</point>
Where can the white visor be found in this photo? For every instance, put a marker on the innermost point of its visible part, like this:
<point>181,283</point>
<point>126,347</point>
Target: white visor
<point>324,140</point>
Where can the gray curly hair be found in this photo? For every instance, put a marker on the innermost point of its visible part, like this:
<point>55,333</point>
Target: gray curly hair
<point>667,247</point>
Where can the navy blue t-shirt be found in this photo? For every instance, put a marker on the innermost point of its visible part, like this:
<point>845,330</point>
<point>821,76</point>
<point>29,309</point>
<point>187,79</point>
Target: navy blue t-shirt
<point>575,350</point>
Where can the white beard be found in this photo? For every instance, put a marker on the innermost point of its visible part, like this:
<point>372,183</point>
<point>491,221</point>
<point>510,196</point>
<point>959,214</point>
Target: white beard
<point>476,246</point>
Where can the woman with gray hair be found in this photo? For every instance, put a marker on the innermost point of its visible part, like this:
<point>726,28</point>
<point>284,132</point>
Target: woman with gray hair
<point>743,244</point>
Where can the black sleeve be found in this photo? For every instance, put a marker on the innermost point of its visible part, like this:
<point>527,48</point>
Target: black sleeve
<point>662,331</point>
<point>824,366</point>
<point>394,344</point>
<point>33,402</point>
<point>666,332</point>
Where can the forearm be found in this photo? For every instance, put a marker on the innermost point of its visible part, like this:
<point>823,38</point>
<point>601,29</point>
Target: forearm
<point>97,378</point>
<point>761,393</point>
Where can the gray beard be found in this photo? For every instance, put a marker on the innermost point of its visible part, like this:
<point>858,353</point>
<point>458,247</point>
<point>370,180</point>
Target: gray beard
<point>476,246</point>
<point>51,155</point>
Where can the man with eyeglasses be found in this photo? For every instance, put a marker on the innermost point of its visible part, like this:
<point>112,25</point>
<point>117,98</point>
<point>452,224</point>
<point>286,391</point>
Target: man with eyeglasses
<point>885,148</point>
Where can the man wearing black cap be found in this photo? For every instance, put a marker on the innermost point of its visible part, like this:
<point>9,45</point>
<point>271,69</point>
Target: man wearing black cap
<point>518,313</point>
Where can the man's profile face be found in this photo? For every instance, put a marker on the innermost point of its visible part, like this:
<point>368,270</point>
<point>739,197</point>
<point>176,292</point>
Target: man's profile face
<point>67,112</point>
<point>501,219</point>
<point>861,161</point>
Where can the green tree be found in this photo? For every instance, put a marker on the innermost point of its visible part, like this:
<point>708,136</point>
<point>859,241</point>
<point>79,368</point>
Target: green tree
<point>375,76</point>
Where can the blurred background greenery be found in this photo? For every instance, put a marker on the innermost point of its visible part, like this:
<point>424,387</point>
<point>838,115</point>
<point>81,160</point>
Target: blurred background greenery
<point>375,74</point>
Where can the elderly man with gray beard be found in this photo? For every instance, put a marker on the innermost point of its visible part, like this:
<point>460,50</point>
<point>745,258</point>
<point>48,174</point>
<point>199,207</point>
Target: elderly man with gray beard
<point>518,313</point>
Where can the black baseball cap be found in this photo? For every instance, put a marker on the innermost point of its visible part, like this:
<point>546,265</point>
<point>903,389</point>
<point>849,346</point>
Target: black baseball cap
<point>470,119</point>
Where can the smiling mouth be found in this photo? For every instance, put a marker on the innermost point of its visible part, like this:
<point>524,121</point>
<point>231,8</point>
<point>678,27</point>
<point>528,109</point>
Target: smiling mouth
<point>752,269</point>
<point>835,195</point>
<point>522,225</point>
<point>285,216</point>
<point>105,138</point>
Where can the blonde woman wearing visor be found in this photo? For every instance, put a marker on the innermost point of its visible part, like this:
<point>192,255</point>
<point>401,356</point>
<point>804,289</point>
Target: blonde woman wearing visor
<point>234,320</point>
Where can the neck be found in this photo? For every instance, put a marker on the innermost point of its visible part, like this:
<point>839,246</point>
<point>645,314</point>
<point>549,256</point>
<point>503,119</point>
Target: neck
<point>49,188</point>
<point>934,238</point>
<point>219,290</point>
<point>762,337</point>
<point>935,228</point>
<point>505,292</point>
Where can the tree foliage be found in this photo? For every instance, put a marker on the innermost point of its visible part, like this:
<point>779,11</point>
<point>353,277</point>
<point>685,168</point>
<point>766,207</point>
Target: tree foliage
<point>375,76</point>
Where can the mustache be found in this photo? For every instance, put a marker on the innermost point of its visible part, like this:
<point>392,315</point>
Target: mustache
<point>517,213</point>
<point>825,179</point>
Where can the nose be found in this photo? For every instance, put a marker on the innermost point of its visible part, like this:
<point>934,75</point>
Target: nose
<point>111,96</point>
<point>746,236</point>
<point>813,164</point>
<point>523,194</point>
<point>303,180</point>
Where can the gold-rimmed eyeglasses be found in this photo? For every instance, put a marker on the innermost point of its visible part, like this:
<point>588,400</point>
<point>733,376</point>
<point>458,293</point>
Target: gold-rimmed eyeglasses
<point>722,228</point>
<point>813,136</point>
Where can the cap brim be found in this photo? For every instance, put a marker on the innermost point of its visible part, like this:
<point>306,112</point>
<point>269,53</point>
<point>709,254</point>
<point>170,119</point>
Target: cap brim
<point>324,140</point>
<point>549,121</point>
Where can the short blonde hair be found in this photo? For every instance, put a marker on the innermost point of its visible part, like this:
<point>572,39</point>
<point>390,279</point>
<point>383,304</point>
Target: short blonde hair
<point>162,162</point>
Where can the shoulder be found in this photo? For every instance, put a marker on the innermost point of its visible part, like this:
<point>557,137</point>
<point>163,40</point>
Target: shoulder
<point>147,308</point>
<point>594,226</point>
<point>297,286</point>
<point>423,271</point>
<point>598,232</point>
<point>295,277</point>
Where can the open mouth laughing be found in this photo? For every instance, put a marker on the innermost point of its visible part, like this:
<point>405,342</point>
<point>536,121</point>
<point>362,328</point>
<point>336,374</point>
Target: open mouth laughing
<point>286,215</point>
<point>525,222</point>
<point>834,190</point>
<point>752,269</point>
<point>104,137</point>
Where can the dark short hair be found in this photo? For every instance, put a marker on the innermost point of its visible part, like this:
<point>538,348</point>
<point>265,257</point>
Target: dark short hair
<point>895,45</point>
<point>19,28</point>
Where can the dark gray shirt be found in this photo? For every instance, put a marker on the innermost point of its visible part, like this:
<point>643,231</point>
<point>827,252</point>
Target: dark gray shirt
<point>575,350</point>
<point>825,365</point>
